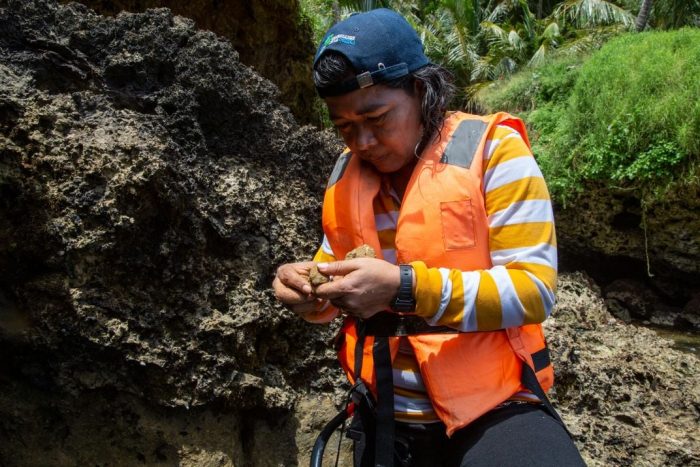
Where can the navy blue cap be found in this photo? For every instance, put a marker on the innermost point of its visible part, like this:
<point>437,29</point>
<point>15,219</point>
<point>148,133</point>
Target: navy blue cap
<point>380,45</point>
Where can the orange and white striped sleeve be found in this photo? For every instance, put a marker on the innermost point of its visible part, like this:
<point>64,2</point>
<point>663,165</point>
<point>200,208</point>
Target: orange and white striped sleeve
<point>519,287</point>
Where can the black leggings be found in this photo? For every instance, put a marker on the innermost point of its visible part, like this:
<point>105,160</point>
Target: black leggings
<point>514,435</point>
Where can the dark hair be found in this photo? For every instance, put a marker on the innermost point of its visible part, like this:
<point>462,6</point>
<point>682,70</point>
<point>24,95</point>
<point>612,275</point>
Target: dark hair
<point>436,84</point>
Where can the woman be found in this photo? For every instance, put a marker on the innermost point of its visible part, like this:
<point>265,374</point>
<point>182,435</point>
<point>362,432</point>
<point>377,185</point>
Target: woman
<point>443,326</point>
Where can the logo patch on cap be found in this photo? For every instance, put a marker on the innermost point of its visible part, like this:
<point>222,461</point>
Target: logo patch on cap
<point>342,38</point>
<point>333,38</point>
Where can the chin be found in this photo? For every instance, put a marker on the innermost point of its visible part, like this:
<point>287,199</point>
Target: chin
<point>384,168</point>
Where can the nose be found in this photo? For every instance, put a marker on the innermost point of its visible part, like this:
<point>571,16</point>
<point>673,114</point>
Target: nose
<point>364,138</point>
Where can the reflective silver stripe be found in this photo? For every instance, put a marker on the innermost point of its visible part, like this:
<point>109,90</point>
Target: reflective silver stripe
<point>339,169</point>
<point>464,142</point>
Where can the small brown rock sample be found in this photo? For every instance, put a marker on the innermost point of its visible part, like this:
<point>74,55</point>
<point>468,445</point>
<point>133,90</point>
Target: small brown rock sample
<point>362,251</point>
<point>316,278</point>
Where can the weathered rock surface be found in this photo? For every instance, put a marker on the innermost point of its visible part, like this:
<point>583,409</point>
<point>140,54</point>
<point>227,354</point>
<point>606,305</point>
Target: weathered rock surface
<point>627,396</point>
<point>609,234</point>
<point>268,35</point>
<point>149,185</point>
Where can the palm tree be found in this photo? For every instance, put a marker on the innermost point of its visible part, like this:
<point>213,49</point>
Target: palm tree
<point>672,14</point>
<point>484,40</point>
<point>643,16</point>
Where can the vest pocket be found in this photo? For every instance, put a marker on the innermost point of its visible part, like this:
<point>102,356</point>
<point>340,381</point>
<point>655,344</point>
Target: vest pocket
<point>457,224</point>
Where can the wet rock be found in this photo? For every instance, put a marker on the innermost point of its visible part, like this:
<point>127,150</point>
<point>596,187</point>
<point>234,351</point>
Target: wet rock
<point>633,296</point>
<point>630,300</point>
<point>615,235</point>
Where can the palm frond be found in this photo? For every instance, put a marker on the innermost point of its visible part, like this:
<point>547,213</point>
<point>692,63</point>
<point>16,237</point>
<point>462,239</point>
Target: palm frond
<point>586,41</point>
<point>498,13</point>
<point>539,57</point>
<point>593,13</point>
<point>551,33</point>
<point>675,14</point>
<point>493,32</point>
<point>482,71</point>
<point>529,21</point>
<point>515,41</point>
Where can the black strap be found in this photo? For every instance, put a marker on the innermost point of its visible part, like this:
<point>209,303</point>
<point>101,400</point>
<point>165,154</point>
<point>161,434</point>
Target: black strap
<point>529,380</point>
<point>361,328</point>
<point>392,324</point>
<point>541,359</point>
<point>384,445</point>
<point>361,395</point>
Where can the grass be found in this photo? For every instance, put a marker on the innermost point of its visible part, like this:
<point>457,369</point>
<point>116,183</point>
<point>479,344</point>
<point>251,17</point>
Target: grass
<point>627,116</point>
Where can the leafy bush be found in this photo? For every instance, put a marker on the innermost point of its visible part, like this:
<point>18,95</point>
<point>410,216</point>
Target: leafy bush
<point>525,91</point>
<point>631,118</point>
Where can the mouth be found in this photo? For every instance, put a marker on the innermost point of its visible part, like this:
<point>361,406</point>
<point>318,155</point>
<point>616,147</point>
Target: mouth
<point>372,158</point>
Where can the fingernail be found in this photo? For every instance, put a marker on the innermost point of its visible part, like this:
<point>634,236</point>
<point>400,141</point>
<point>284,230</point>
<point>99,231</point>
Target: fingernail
<point>307,289</point>
<point>322,265</point>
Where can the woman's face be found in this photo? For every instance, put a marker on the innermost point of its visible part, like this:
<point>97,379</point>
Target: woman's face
<point>379,124</point>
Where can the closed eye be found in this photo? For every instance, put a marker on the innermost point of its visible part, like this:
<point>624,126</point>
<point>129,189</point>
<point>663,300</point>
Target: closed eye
<point>343,127</point>
<point>377,119</point>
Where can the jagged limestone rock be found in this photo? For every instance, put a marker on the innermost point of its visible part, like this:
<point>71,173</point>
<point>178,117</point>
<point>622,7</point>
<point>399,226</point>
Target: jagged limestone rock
<point>150,184</point>
<point>614,234</point>
<point>269,35</point>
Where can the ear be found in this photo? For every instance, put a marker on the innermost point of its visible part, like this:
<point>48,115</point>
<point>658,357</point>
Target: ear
<point>418,87</point>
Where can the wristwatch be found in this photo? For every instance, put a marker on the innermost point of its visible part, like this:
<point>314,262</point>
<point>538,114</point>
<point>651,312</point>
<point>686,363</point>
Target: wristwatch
<point>404,301</point>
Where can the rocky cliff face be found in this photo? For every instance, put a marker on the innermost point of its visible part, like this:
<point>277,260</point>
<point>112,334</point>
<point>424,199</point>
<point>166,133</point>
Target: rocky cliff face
<point>646,255</point>
<point>149,185</point>
<point>268,35</point>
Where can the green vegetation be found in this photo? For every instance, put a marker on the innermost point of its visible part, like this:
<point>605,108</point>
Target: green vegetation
<point>629,116</point>
<point>482,41</point>
<point>485,40</point>
<point>527,90</point>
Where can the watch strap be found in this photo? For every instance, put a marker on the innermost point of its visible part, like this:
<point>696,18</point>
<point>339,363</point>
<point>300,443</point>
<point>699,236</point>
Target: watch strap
<point>404,301</point>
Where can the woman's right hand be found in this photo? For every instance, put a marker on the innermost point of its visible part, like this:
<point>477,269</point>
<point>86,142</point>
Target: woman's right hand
<point>292,288</point>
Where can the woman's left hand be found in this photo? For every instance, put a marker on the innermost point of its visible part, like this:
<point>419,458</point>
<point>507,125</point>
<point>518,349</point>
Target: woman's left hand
<point>366,286</point>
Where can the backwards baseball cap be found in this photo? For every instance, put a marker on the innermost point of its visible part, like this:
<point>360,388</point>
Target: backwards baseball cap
<point>380,45</point>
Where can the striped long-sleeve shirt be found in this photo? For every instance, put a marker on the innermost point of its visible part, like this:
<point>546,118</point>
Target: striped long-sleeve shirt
<point>518,289</point>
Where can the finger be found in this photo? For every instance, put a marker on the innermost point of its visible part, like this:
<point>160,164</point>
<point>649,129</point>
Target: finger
<point>338,268</point>
<point>291,278</point>
<point>292,298</point>
<point>289,296</point>
<point>331,290</point>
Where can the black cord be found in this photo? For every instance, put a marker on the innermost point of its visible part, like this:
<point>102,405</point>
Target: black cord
<point>342,427</point>
<point>340,439</point>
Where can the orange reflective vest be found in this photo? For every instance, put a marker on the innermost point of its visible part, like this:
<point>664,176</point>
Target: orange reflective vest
<point>443,222</point>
